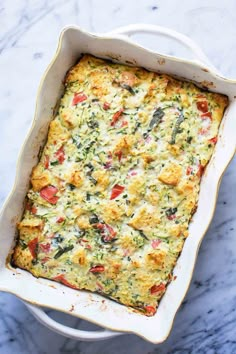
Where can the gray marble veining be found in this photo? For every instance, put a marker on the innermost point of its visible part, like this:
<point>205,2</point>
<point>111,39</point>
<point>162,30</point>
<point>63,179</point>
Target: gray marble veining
<point>206,322</point>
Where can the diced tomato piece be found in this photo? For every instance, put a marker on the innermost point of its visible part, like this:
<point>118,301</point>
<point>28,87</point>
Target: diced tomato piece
<point>119,154</point>
<point>106,106</point>
<point>100,226</point>
<point>79,97</point>
<point>155,243</point>
<point>171,217</point>
<point>107,165</point>
<point>33,246</point>
<point>109,162</point>
<point>124,123</point>
<point>60,219</point>
<point>126,252</point>
<point>116,116</point>
<point>45,247</point>
<point>108,233</point>
<point>213,140</point>
<point>116,191</point>
<point>46,162</point>
<point>189,170</point>
<point>203,131</point>
<point>157,288</point>
<point>61,279</point>
<point>200,170</point>
<point>60,155</point>
<point>45,259</point>
<point>33,210</point>
<point>202,106</point>
<point>97,269</point>
<point>206,115</point>
<point>150,310</point>
<point>86,245</point>
<point>49,194</point>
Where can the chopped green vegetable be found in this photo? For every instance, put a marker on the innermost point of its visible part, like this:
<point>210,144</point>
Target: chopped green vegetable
<point>128,88</point>
<point>63,250</point>
<point>177,129</point>
<point>93,219</point>
<point>171,211</point>
<point>155,121</point>
<point>142,234</point>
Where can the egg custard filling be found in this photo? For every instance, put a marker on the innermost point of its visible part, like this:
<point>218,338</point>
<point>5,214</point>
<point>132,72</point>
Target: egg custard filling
<point>117,182</point>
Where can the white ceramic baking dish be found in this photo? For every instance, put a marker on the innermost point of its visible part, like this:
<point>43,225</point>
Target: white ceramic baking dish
<point>93,307</point>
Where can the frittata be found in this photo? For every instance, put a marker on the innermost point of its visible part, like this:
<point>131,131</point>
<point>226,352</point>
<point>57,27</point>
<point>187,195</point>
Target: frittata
<point>118,181</point>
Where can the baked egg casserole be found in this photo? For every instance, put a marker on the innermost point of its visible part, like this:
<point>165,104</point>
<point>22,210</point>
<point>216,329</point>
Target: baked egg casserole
<point>117,182</point>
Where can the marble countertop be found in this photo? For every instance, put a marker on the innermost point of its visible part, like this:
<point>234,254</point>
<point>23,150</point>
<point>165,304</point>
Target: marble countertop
<point>206,322</point>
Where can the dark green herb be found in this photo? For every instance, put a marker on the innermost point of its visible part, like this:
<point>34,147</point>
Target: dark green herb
<point>189,139</point>
<point>177,129</point>
<point>93,180</point>
<point>143,234</point>
<point>63,250</point>
<point>80,233</point>
<point>155,121</point>
<point>54,163</point>
<point>71,186</point>
<point>128,88</point>
<point>95,100</point>
<point>137,125</point>
<point>93,219</point>
<point>76,141</point>
<point>88,196</point>
<point>89,146</point>
<point>36,251</point>
<point>93,124</point>
<point>23,244</point>
<point>113,249</point>
<point>58,238</point>
<point>90,167</point>
<point>171,211</point>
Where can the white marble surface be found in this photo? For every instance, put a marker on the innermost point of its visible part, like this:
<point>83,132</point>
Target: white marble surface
<point>206,322</point>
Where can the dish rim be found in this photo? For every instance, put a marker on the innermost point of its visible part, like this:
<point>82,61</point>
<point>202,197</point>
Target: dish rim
<point>31,129</point>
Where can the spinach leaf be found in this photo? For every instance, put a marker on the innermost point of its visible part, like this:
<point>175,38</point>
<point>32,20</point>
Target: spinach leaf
<point>156,118</point>
<point>155,121</point>
<point>63,250</point>
<point>128,88</point>
<point>177,129</point>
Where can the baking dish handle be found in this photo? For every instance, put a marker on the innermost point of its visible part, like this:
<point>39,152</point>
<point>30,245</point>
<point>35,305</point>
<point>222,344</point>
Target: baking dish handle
<point>198,53</point>
<point>87,336</point>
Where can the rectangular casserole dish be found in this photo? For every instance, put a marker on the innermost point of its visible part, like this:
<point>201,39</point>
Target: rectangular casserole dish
<point>73,42</point>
